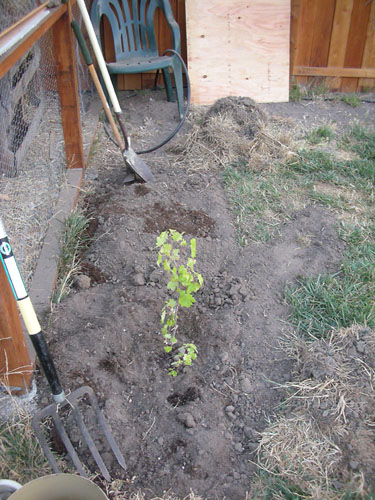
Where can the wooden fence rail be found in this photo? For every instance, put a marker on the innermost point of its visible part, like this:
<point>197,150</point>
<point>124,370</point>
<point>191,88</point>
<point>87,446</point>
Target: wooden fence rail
<point>334,40</point>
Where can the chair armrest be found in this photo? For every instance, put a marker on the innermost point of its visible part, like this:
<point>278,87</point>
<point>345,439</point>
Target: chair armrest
<point>176,37</point>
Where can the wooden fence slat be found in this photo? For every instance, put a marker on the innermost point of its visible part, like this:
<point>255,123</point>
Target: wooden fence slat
<point>369,51</point>
<point>67,84</point>
<point>339,39</point>
<point>356,42</point>
<point>305,33</point>
<point>181,19</point>
<point>335,72</point>
<point>323,20</point>
<point>16,366</point>
<point>294,15</point>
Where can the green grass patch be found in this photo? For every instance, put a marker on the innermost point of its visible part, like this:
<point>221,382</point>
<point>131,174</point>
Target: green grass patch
<point>316,165</point>
<point>331,301</point>
<point>22,458</point>
<point>360,140</point>
<point>324,133</point>
<point>295,93</point>
<point>74,241</point>
<point>351,100</point>
<point>260,202</point>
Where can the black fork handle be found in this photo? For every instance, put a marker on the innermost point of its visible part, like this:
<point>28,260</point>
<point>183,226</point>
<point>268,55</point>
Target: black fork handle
<point>28,315</point>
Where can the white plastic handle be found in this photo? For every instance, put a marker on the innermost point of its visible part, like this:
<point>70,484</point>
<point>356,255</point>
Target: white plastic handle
<point>99,56</point>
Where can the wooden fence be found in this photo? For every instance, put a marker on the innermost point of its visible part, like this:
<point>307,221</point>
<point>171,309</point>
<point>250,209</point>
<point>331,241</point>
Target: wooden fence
<point>16,362</point>
<point>334,40</point>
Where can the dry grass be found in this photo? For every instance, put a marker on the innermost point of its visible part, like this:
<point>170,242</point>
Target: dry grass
<point>300,453</point>
<point>217,140</point>
<point>21,457</point>
<point>325,443</point>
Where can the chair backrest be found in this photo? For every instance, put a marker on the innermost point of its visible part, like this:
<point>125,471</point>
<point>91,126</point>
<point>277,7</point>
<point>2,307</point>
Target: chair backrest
<point>132,24</point>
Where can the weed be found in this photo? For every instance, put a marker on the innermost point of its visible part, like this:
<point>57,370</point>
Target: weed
<point>75,240</point>
<point>317,89</point>
<point>295,93</point>
<point>184,281</point>
<point>361,141</point>
<point>22,458</point>
<point>351,100</point>
<point>324,133</point>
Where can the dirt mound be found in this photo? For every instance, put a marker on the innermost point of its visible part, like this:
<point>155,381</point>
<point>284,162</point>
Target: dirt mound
<point>234,131</point>
<point>327,435</point>
<point>242,111</point>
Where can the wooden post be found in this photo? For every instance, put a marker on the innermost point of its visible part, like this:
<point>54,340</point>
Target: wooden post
<point>16,367</point>
<point>67,84</point>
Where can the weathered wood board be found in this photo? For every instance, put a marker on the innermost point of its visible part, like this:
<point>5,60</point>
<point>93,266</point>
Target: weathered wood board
<point>238,48</point>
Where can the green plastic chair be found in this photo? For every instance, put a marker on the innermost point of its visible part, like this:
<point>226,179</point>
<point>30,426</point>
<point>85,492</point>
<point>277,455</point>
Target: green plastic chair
<point>134,40</point>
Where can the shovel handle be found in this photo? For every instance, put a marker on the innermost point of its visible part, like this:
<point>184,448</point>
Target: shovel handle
<point>28,315</point>
<point>88,59</point>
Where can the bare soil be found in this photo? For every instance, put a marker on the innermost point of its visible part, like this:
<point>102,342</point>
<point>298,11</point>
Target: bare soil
<point>198,431</point>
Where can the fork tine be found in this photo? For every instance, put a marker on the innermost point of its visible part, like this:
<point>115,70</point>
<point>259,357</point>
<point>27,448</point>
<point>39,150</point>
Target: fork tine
<point>91,445</point>
<point>105,427</point>
<point>72,401</point>
<point>68,445</point>
<point>43,443</point>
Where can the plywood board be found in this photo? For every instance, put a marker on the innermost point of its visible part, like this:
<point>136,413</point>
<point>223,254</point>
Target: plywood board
<point>238,48</point>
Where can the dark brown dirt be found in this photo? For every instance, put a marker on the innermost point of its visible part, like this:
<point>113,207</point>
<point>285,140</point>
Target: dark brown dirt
<point>197,431</point>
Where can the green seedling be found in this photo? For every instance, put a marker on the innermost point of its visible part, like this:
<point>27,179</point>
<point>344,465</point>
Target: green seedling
<point>184,281</point>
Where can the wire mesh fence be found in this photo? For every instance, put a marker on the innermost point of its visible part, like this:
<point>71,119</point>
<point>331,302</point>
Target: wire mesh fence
<point>32,154</point>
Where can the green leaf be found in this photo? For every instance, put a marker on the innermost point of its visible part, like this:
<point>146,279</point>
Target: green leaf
<point>193,287</point>
<point>172,285</point>
<point>164,330</point>
<point>176,236</point>
<point>162,317</point>
<point>159,259</point>
<point>161,239</point>
<point>167,348</point>
<point>185,299</point>
<point>172,373</point>
<point>173,340</point>
<point>166,249</point>
<point>176,253</point>
<point>171,303</point>
<point>190,263</point>
<point>193,247</point>
<point>167,266</point>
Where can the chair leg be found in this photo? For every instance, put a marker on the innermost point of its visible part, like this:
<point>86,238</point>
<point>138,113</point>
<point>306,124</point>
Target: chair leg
<point>179,86</point>
<point>168,84</point>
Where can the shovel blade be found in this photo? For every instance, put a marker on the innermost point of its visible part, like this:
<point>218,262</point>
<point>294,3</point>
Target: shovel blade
<point>72,402</point>
<point>137,165</point>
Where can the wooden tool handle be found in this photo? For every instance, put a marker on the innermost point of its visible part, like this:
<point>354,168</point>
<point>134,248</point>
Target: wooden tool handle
<point>87,57</point>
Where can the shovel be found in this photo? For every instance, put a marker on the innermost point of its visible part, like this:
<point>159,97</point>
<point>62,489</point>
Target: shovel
<point>132,160</point>
<point>144,173</point>
<point>41,348</point>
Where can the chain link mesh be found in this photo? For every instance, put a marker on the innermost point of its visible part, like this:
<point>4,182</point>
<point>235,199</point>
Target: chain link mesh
<point>32,154</point>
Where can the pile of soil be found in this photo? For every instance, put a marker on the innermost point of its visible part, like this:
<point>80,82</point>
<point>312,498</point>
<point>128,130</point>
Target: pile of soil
<point>198,431</point>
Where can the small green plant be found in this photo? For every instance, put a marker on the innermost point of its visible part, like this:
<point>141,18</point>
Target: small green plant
<point>184,281</point>
<point>75,240</point>
<point>295,93</point>
<point>324,133</point>
<point>351,100</point>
